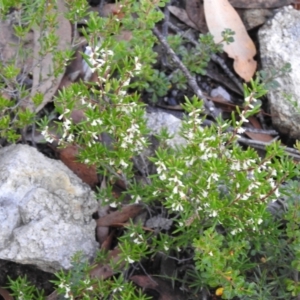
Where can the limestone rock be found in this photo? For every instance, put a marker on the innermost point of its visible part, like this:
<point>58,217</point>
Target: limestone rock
<point>279,44</point>
<point>45,210</point>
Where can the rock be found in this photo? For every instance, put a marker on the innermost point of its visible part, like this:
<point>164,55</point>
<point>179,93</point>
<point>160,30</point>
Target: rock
<point>157,120</point>
<point>220,92</point>
<point>45,211</point>
<point>279,44</point>
<point>255,17</point>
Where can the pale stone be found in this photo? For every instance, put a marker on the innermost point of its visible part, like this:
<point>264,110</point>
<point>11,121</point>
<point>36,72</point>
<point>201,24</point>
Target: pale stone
<point>45,211</point>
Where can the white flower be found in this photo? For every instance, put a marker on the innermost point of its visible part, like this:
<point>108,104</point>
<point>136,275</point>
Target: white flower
<point>129,260</point>
<point>233,232</point>
<point>70,138</point>
<point>243,119</point>
<point>162,177</point>
<point>204,194</point>
<point>182,195</point>
<point>210,253</point>
<point>277,193</point>
<point>175,190</point>
<point>245,196</point>
<point>213,213</point>
<point>113,204</point>
<point>137,199</point>
<point>241,130</point>
<point>259,221</point>
<point>176,180</point>
<point>177,206</point>
<point>118,289</point>
<point>123,163</point>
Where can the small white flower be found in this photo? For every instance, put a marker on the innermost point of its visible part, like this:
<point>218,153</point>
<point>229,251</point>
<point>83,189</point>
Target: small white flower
<point>113,204</point>
<point>259,221</point>
<point>138,199</point>
<point>118,289</point>
<point>177,206</point>
<point>210,253</point>
<point>175,190</point>
<point>243,119</point>
<point>123,163</point>
<point>241,130</point>
<point>162,177</point>
<point>213,213</point>
<point>245,196</point>
<point>129,260</point>
<point>204,194</point>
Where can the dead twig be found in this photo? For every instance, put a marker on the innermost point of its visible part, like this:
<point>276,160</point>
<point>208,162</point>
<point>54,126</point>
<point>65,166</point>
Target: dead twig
<point>214,58</point>
<point>209,105</point>
<point>295,154</point>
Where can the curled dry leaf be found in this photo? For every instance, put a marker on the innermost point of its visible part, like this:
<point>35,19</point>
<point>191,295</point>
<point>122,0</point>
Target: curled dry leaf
<point>44,81</point>
<point>120,216</point>
<point>220,15</point>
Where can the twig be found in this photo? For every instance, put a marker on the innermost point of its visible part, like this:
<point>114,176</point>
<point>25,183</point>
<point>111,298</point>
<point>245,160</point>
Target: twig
<point>214,58</point>
<point>262,145</point>
<point>165,28</point>
<point>209,105</point>
<point>246,129</point>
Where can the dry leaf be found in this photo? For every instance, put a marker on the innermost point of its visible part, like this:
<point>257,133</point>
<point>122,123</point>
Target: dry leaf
<point>262,137</point>
<point>5,294</point>
<point>182,15</point>
<point>44,81</point>
<point>195,11</point>
<point>104,271</point>
<point>87,174</point>
<point>220,15</point>
<point>120,216</point>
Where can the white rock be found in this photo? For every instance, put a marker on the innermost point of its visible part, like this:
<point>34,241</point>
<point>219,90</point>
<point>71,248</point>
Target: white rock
<point>45,210</point>
<point>279,44</point>
<point>158,120</point>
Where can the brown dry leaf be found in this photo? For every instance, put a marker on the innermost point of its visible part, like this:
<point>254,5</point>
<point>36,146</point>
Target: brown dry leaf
<point>104,271</point>
<point>120,216</point>
<point>87,174</point>
<point>182,15</point>
<point>44,81</point>
<point>195,11</point>
<point>220,15</point>
<point>259,3</point>
<point>257,136</point>
<point>5,294</point>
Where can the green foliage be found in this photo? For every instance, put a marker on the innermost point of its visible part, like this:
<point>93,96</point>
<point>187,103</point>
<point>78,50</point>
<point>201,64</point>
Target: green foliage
<point>215,193</point>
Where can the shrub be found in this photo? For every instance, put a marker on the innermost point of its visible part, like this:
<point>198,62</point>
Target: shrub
<point>215,193</point>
